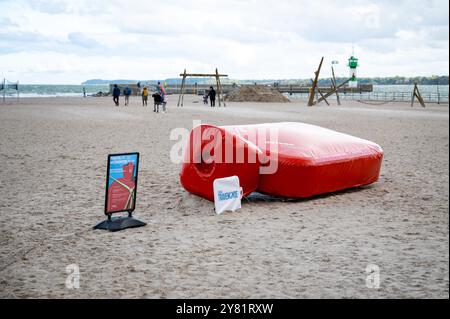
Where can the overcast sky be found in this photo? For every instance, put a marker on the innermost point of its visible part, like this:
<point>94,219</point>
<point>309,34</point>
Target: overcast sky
<point>63,41</point>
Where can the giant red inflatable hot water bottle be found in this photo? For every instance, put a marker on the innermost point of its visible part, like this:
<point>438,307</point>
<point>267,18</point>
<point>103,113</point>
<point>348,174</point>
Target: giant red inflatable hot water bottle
<point>308,160</point>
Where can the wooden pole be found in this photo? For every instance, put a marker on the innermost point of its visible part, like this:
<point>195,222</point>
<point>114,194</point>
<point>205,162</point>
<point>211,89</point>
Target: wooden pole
<point>416,95</point>
<point>312,93</point>
<point>334,86</point>
<point>218,86</point>
<point>316,95</point>
<point>221,91</point>
<point>419,97</point>
<point>182,91</point>
<point>180,97</point>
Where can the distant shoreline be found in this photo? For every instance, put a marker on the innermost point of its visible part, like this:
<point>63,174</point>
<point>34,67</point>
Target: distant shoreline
<point>397,80</point>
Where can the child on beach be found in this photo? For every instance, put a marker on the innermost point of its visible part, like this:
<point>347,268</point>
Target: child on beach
<point>164,103</point>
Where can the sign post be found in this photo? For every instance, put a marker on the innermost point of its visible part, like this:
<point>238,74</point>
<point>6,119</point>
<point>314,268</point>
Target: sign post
<point>121,187</point>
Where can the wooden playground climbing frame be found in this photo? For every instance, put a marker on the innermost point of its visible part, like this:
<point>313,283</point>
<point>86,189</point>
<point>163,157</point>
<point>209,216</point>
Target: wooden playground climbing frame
<point>216,75</point>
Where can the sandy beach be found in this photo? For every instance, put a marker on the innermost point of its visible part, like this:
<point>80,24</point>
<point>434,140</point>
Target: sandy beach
<point>53,167</point>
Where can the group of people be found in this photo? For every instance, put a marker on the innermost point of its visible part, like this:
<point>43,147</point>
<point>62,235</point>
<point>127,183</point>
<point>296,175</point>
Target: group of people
<point>159,97</point>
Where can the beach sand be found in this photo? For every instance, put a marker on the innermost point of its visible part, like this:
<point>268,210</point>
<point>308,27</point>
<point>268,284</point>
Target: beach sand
<point>52,180</point>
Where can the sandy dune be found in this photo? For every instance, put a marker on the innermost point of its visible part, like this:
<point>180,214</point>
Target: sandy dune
<point>52,176</point>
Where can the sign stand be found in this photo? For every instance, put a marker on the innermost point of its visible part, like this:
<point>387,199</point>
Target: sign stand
<point>119,223</point>
<point>121,186</point>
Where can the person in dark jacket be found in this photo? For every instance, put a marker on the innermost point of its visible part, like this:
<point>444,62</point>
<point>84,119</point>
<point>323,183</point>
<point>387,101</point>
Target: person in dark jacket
<point>212,96</point>
<point>116,94</point>
<point>127,92</point>
<point>157,100</point>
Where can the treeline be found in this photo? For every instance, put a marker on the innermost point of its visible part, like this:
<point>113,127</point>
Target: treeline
<point>400,80</point>
<point>397,80</point>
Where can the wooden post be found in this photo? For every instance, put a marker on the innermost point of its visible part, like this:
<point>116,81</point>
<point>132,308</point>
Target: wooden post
<point>218,87</point>
<point>419,97</point>
<point>334,86</point>
<point>316,95</point>
<point>312,92</point>
<point>180,97</point>
<point>416,94</point>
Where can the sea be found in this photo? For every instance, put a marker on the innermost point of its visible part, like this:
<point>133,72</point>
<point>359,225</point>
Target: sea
<point>43,90</point>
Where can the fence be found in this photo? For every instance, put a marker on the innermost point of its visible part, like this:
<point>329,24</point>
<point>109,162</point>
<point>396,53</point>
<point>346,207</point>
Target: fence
<point>440,98</point>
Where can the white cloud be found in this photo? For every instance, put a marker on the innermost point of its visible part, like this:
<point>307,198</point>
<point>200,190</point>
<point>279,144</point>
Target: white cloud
<point>71,41</point>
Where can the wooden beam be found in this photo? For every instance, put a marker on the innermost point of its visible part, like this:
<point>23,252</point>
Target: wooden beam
<point>312,93</point>
<point>416,94</point>
<point>333,91</point>
<point>323,97</point>
<point>334,86</point>
<point>201,74</point>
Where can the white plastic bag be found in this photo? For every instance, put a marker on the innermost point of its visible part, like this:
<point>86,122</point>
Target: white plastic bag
<point>227,194</point>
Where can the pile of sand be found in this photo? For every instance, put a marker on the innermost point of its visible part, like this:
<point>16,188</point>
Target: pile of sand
<point>256,93</point>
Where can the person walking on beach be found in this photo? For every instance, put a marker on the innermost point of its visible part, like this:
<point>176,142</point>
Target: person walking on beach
<point>116,94</point>
<point>144,96</point>
<point>157,102</point>
<point>161,90</point>
<point>212,96</point>
<point>127,92</point>
<point>84,91</point>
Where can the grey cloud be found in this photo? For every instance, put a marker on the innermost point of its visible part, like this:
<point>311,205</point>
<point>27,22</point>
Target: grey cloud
<point>11,41</point>
<point>80,39</point>
<point>7,22</point>
<point>52,7</point>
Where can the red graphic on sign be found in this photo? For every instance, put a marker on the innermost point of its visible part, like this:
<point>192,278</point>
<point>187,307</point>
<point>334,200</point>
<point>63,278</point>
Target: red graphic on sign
<point>121,191</point>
